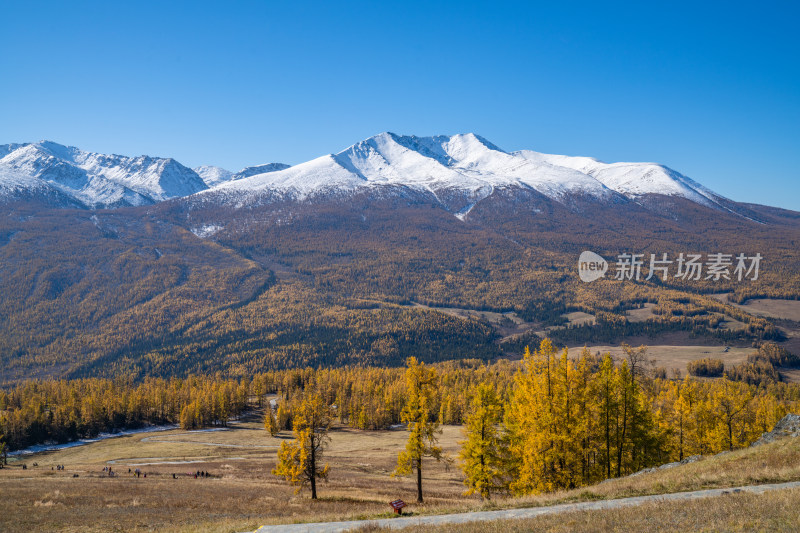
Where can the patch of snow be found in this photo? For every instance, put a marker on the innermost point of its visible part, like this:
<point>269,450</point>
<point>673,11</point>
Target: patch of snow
<point>81,442</point>
<point>206,231</point>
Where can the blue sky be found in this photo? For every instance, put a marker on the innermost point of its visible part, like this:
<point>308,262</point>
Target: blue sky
<point>710,89</point>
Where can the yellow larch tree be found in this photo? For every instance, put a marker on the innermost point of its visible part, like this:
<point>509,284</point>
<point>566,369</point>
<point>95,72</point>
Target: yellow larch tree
<point>300,461</point>
<point>482,452</point>
<point>422,427</point>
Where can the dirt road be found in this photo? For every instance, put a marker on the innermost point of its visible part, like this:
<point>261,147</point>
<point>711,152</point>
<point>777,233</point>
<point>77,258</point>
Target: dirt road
<point>531,512</point>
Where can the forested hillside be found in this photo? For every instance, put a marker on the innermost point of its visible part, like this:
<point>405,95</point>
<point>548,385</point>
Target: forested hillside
<point>198,286</point>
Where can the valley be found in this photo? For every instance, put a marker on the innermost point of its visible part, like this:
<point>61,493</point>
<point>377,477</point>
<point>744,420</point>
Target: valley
<point>483,267</point>
<point>207,292</point>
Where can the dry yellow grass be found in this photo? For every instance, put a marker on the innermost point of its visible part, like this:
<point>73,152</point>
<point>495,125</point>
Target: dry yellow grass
<point>677,356</point>
<point>241,496</point>
<point>774,511</point>
<point>244,495</point>
<point>773,308</point>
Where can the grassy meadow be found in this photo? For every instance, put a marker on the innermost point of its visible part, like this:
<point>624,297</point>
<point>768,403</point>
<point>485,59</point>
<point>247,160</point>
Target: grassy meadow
<point>242,494</point>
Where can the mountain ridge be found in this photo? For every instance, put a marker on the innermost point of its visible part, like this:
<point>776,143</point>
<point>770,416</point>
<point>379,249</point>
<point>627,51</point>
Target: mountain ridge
<point>463,170</point>
<point>459,170</point>
<point>96,180</point>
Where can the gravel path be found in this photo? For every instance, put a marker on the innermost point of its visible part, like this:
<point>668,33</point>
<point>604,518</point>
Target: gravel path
<point>461,518</point>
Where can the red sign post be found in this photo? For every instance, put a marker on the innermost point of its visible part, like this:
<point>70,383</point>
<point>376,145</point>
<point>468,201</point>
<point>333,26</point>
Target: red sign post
<point>398,505</point>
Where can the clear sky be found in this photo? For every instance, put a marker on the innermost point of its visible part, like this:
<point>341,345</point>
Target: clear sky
<point>711,89</point>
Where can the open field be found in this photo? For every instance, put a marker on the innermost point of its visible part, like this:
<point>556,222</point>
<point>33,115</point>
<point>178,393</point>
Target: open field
<point>641,314</point>
<point>507,324</point>
<point>768,307</point>
<point>785,313</point>
<point>242,494</point>
<point>677,356</point>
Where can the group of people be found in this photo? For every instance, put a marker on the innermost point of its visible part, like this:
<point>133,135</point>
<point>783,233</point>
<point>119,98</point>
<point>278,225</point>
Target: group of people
<point>107,470</point>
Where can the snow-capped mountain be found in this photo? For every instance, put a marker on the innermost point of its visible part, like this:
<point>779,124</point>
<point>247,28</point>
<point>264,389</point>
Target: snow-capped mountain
<point>19,186</point>
<point>632,179</point>
<point>457,171</point>
<point>259,169</point>
<point>467,167</point>
<point>213,176</point>
<point>436,164</point>
<point>96,180</point>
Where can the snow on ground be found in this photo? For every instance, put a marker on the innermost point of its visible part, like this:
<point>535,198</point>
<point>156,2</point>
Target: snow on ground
<point>103,436</point>
<point>81,442</point>
<point>206,231</point>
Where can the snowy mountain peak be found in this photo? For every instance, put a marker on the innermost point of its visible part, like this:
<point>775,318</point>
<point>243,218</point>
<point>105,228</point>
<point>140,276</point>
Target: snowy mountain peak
<point>213,176</point>
<point>457,170</point>
<point>99,180</point>
<point>259,169</point>
<point>465,166</point>
<point>461,170</point>
<point>67,153</point>
<point>632,179</point>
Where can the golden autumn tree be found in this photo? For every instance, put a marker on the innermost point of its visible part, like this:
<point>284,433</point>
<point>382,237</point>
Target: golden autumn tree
<point>587,414</point>
<point>422,427</point>
<point>607,397</point>
<point>300,461</point>
<point>549,422</point>
<point>730,401</point>
<point>530,423</point>
<point>482,453</point>
<point>271,421</point>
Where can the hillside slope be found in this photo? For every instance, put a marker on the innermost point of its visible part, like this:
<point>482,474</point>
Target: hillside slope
<point>320,263</point>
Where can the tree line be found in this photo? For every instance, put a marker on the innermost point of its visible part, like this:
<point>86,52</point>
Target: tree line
<point>556,421</point>
<point>36,412</point>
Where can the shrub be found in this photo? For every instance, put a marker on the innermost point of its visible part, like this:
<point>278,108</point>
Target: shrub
<point>709,368</point>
